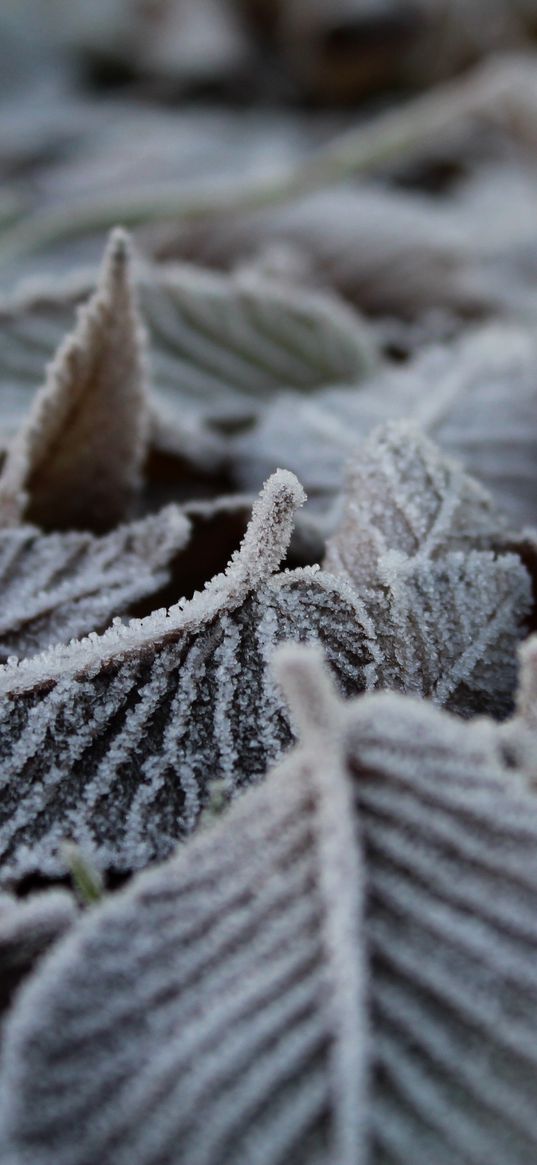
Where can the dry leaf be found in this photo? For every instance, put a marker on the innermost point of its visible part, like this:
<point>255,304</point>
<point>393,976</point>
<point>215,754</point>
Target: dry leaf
<point>77,459</point>
<point>115,740</point>
<point>55,587</point>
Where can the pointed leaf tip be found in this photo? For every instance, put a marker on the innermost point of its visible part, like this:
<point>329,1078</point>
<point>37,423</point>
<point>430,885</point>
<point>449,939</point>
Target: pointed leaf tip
<point>117,259</point>
<point>76,461</point>
<point>308,688</point>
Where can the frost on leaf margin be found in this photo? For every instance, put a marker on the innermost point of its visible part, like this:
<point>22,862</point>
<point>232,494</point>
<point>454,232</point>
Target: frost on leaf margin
<point>114,741</point>
<point>417,540</point>
<point>253,944</point>
<point>55,587</point>
<point>76,460</point>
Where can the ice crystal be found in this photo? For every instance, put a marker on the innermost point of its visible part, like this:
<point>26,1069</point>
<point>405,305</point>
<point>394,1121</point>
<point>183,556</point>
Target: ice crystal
<point>55,587</point>
<point>115,740</point>
<point>76,460</point>
<point>357,940</point>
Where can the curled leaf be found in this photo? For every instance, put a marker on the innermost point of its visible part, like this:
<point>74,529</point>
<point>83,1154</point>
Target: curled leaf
<point>56,587</point>
<point>77,458</point>
<point>114,741</point>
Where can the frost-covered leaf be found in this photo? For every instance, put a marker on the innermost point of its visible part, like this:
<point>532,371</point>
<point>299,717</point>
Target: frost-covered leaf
<point>477,398</point>
<point>230,341</point>
<point>388,252</point>
<point>114,741</point>
<point>28,928</point>
<point>449,629</point>
<point>401,494</point>
<point>219,345</point>
<point>250,942</point>
<point>258,940</point>
<point>55,587</point>
<point>77,458</point>
<point>418,540</point>
<point>450,841</point>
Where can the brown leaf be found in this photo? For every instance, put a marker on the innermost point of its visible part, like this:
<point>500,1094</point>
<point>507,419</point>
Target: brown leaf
<point>77,459</point>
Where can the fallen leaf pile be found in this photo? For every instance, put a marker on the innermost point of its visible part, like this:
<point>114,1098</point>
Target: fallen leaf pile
<point>268,579</point>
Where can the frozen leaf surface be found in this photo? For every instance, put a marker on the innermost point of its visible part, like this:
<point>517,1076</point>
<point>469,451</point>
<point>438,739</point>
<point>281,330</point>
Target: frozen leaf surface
<point>56,587</point>
<point>248,941</point>
<point>449,830</point>
<point>418,540</point>
<point>259,939</point>
<point>115,740</point>
<point>231,341</point>
<point>77,458</point>
<point>476,398</point>
<point>403,495</point>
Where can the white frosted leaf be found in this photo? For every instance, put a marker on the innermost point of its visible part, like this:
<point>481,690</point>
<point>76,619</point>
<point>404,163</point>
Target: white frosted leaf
<point>477,398</point>
<point>450,836</point>
<point>401,494</point>
<point>216,1012</point>
<point>418,541</point>
<point>55,587</point>
<point>249,942</point>
<point>449,830</point>
<point>114,741</point>
<point>450,628</point>
<point>231,340</point>
<point>76,459</point>
<point>219,345</point>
